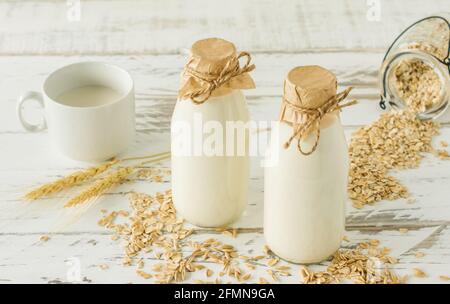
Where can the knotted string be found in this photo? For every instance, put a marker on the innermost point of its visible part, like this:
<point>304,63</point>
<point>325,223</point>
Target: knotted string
<point>214,81</point>
<point>314,116</point>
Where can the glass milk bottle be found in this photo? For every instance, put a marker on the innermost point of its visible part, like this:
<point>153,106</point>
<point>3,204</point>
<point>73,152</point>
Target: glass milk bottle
<point>306,184</point>
<point>210,161</point>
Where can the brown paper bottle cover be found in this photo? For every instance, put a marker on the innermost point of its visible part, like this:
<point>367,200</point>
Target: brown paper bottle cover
<point>310,94</point>
<point>214,69</point>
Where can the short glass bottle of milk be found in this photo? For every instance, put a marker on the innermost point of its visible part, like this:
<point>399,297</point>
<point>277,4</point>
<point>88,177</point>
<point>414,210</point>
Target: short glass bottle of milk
<point>305,188</point>
<point>209,135</point>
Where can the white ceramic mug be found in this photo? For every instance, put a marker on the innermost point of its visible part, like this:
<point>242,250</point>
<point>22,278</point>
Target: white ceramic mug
<point>85,133</point>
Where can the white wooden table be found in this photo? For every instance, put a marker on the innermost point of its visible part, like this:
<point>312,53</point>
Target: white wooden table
<point>145,37</point>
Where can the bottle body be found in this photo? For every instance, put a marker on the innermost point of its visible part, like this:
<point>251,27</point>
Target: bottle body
<point>304,197</point>
<point>210,179</point>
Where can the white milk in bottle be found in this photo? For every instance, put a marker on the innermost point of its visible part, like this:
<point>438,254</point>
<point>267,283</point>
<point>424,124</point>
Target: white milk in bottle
<point>306,186</point>
<point>210,161</point>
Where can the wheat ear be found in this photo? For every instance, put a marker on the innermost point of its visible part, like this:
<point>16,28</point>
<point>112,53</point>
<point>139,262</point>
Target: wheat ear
<point>109,181</point>
<point>68,181</point>
<point>101,186</point>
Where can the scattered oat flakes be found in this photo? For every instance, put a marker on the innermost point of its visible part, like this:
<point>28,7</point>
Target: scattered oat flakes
<point>374,243</point>
<point>153,174</point>
<point>266,250</point>
<point>403,230</point>
<point>443,143</point>
<point>410,200</point>
<point>246,277</point>
<point>103,266</point>
<point>153,226</point>
<point>123,213</point>
<point>444,278</point>
<point>140,263</point>
<point>357,265</point>
<point>272,262</point>
<point>282,268</point>
<point>419,254</point>
<point>273,275</point>
<point>419,273</point>
<point>126,261</point>
<point>108,220</point>
<point>227,232</point>
<point>250,266</point>
<point>441,154</point>
<point>304,273</point>
<point>44,238</point>
<point>144,274</point>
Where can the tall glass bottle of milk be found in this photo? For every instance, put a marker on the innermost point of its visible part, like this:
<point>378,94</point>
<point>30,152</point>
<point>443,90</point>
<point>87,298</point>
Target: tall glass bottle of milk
<point>210,161</point>
<point>306,185</point>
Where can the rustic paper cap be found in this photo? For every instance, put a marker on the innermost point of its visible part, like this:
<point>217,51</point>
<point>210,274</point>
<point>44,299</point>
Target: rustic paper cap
<point>307,87</point>
<point>314,85</point>
<point>213,69</point>
<point>310,94</point>
<point>211,55</point>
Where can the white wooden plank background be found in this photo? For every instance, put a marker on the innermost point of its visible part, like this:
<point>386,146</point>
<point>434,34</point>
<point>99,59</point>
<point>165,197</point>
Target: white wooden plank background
<point>155,27</point>
<point>145,37</point>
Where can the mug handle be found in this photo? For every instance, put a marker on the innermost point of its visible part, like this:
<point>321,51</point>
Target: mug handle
<point>31,95</point>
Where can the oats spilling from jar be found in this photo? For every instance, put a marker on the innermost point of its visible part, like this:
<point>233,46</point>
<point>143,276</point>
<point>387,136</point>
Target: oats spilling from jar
<point>397,140</point>
<point>416,83</point>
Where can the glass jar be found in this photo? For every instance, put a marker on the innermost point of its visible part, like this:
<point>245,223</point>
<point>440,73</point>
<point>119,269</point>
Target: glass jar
<point>422,48</point>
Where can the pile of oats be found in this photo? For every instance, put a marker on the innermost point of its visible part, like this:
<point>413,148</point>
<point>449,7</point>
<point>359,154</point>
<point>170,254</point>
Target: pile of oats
<point>364,264</point>
<point>152,230</point>
<point>397,140</point>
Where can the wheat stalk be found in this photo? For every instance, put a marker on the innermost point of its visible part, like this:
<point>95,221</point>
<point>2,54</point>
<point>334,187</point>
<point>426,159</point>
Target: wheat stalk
<point>109,181</point>
<point>68,181</point>
<point>80,177</point>
<point>101,186</point>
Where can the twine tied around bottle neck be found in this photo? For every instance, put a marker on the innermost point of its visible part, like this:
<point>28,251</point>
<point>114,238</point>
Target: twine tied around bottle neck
<point>214,81</point>
<point>314,117</point>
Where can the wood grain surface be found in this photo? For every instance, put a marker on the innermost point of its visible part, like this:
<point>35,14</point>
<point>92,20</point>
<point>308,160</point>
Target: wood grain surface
<point>146,38</point>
